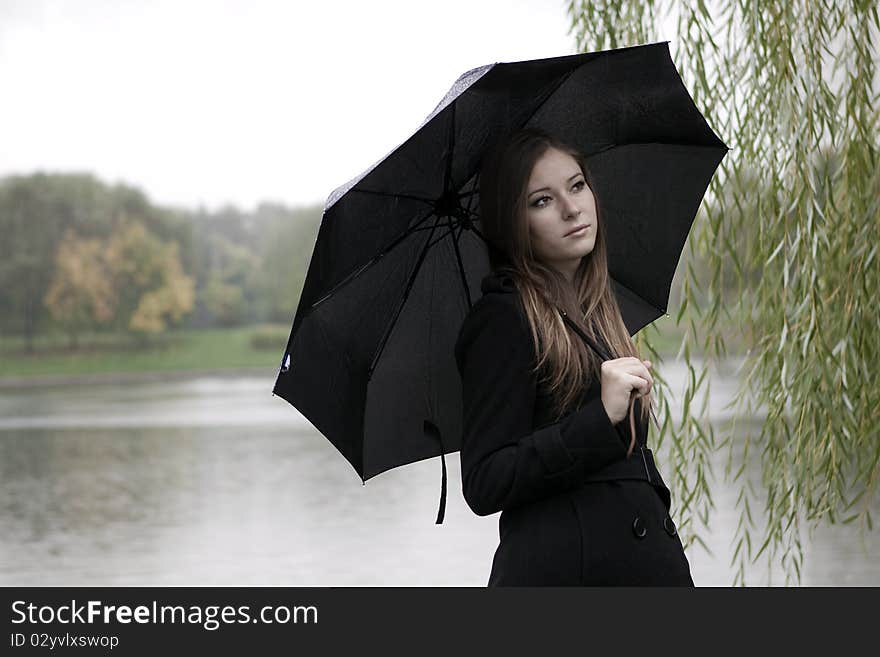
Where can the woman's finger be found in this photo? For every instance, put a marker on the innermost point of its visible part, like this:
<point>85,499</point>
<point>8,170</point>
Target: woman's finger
<point>639,384</point>
<point>637,368</point>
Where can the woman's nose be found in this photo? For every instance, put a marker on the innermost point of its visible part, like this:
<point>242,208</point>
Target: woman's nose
<point>571,210</point>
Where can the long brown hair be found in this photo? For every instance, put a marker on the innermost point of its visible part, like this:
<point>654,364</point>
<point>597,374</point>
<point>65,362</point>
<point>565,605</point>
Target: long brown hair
<point>565,363</point>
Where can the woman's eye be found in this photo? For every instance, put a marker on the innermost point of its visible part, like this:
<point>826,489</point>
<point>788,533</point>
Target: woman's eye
<point>538,202</point>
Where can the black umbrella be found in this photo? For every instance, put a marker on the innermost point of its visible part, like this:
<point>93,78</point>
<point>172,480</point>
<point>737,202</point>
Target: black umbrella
<point>399,255</point>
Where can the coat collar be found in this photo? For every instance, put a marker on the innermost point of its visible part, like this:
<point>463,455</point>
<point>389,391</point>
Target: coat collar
<point>498,281</point>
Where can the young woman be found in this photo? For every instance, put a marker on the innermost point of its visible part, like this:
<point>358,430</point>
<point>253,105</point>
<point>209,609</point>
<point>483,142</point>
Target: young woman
<point>546,435</point>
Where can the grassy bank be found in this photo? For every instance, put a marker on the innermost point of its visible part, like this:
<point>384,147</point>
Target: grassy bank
<point>184,350</point>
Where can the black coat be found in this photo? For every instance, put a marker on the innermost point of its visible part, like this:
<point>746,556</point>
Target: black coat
<point>556,527</point>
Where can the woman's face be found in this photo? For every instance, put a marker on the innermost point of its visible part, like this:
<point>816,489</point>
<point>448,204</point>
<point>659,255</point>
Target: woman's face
<point>559,201</point>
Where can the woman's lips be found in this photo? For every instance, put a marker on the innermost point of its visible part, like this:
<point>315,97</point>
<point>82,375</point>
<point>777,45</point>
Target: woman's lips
<point>579,231</point>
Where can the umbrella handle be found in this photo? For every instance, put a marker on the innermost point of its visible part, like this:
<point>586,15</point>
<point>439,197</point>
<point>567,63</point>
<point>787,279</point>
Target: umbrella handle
<point>632,429</point>
<point>577,329</point>
<point>431,429</point>
<point>605,356</point>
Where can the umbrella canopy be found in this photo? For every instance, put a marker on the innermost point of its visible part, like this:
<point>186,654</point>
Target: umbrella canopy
<point>399,255</point>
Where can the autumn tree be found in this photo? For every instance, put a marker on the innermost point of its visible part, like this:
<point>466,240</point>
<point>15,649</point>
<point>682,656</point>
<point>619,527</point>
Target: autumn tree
<point>151,288</point>
<point>81,294</point>
<point>38,212</point>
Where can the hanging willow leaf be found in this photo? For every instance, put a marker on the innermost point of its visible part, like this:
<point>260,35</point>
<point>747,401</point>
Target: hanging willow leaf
<point>787,240</point>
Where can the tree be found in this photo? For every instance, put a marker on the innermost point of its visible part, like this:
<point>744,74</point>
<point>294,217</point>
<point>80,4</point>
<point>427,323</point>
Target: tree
<point>150,284</point>
<point>130,280</point>
<point>81,294</point>
<point>792,87</point>
<point>224,301</point>
<point>286,240</point>
<point>37,211</point>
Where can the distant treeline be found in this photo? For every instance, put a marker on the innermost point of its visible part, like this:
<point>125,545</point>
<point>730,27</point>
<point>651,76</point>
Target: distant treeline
<point>79,255</point>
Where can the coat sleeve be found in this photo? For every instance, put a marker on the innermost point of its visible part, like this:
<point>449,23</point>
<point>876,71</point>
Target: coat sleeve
<point>505,462</point>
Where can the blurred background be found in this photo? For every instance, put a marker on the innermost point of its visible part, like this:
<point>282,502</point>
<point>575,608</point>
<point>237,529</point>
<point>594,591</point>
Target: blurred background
<point>163,168</point>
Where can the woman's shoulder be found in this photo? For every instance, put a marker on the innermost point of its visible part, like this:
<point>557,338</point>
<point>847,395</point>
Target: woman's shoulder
<point>500,300</point>
<point>498,316</point>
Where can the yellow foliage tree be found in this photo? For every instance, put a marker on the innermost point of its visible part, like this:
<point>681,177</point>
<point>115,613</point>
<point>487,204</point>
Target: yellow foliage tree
<point>147,273</point>
<point>130,280</point>
<point>174,298</point>
<point>81,294</point>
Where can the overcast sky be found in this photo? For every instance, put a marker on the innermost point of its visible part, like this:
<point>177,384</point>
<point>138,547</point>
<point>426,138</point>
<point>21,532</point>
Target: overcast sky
<point>238,101</point>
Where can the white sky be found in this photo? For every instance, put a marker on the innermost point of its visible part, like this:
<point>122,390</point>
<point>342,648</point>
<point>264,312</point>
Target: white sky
<point>215,101</point>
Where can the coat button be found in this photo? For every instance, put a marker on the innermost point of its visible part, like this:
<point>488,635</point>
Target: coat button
<point>639,527</point>
<point>669,526</point>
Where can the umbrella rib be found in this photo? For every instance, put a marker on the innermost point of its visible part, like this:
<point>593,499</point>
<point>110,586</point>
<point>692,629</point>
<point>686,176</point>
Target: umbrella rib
<point>456,236</point>
<point>452,135</point>
<point>371,261</point>
<point>440,237</point>
<point>637,297</point>
<point>464,283</point>
<point>413,229</point>
<point>648,143</point>
<point>399,308</point>
<point>416,230</point>
<point>549,95</point>
<point>410,197</point>
<point>421,199</point>
<point>448,178</point>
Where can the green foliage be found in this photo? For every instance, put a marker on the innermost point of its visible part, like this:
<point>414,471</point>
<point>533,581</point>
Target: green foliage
<point>80,255</point>
<point>37,212</point>
<point>251,267</point>
<point>285,245</point>
<point>272,337</point>
<point>224,301</point>
<point>786,242</point>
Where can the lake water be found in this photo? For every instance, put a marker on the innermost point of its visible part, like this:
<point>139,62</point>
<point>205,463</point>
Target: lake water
<point>215,481</point>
